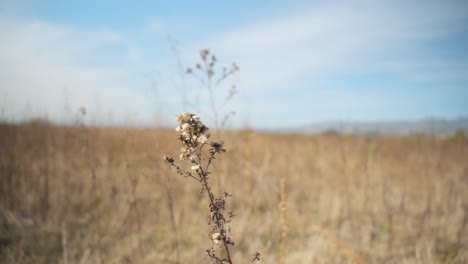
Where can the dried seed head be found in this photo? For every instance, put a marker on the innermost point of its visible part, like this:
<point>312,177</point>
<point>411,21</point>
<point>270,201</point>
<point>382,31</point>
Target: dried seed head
<point>204,53</point>
<point>218,146</point>
<point>168,159</point>
<point>216,237</point>
<point>202,139</point>
<point>194,134</point>
<point>185,126</point>
<point>210,73</point>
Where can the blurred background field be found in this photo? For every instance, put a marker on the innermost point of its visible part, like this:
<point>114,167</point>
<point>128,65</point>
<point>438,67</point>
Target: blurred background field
<point>103,195</point>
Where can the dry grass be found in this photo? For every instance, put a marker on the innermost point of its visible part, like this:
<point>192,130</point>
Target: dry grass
<point>101,195</point>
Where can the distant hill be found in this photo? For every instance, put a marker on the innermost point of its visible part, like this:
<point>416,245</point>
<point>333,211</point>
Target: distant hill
<point>429,126</point>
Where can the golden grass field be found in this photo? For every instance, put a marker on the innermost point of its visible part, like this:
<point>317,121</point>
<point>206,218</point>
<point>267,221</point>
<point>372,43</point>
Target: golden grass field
<point>104,195</point>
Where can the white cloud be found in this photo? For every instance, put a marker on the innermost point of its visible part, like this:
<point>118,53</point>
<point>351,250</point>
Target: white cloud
<point>330,38</point>
<point>45,66</point>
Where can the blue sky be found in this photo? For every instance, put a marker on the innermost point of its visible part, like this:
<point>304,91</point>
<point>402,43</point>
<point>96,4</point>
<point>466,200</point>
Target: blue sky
<point>300,61</point>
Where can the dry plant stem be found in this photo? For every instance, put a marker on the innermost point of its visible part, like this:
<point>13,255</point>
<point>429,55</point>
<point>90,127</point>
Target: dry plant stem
<point>213,107</point>
<point>64,244</point>
<point>194,137</point>
<point>282,207</point>
<point>170,201</point>
<point>46,192</point>
<point>204,181</point>
<point>95,216</point>
<point>96,188</point>
<point>167,186</point>
<point>94,191</point>
<point>135,208</point>
<point>248,166</point>
<point>207,73</point>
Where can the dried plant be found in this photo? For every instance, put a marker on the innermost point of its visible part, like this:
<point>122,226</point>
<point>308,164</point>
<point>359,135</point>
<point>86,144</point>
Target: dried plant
<point>282,207</point>
<point>207,74</point>
<point>194,137</point>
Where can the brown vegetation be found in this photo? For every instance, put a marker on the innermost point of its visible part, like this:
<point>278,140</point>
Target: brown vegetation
<point>104,195</point>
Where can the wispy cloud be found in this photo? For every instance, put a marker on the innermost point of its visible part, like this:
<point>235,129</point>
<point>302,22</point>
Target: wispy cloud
<point>330,38</point>
<point>45,66</point>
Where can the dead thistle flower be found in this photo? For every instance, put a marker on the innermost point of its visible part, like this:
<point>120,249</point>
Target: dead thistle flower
<point>218,146</point>
<point>193,135</point>
<point>168,159</point>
